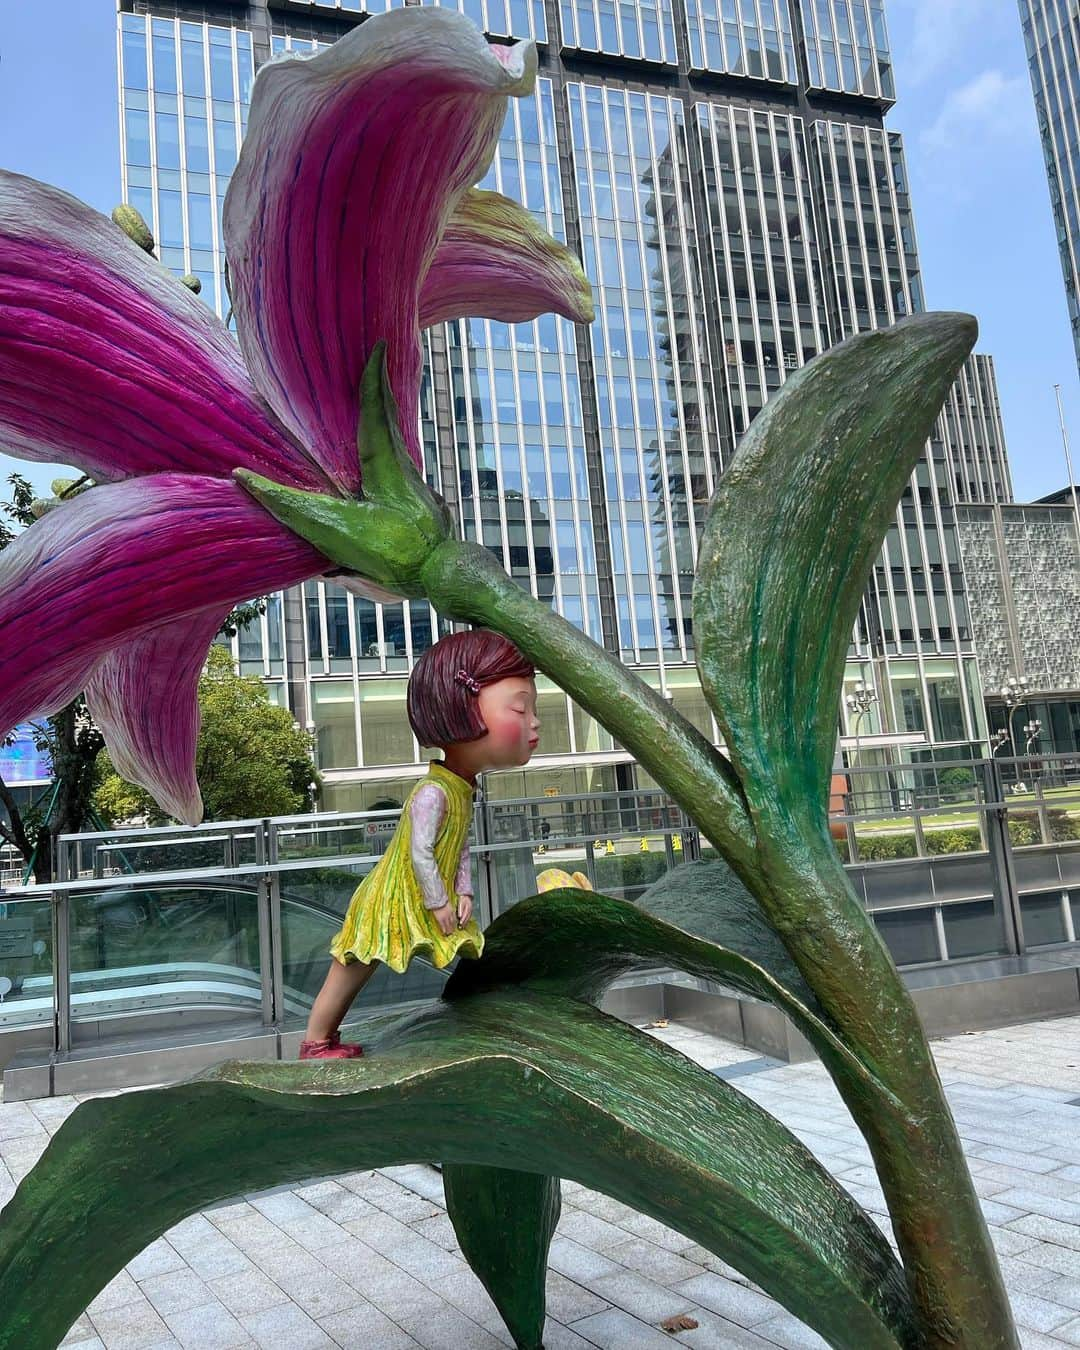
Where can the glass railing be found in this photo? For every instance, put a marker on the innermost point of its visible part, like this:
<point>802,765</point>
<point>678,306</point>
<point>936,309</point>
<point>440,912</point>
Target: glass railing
<point>231,923</point>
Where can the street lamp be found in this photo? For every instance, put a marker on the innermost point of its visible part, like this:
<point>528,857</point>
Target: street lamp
<point>1031,731</point>
<point>859,701</point>
<point>1012,693</point>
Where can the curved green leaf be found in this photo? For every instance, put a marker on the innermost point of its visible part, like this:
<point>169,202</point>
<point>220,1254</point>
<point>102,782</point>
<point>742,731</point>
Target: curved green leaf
<point>793,531</point>
<point>575,943</point>
<point>517,1080</point>
<point>504,1221</point>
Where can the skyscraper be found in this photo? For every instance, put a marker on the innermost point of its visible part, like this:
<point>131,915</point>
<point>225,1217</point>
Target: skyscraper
<point>723,169</point>
<point>1052,41</point>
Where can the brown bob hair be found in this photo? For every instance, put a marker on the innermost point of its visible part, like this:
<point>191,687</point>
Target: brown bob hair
<point>441,702</point>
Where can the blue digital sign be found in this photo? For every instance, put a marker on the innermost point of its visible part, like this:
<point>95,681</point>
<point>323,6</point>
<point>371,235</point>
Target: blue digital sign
<point>22,761</point>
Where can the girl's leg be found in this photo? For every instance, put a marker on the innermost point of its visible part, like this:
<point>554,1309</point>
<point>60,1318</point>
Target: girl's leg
<point>335,998</point>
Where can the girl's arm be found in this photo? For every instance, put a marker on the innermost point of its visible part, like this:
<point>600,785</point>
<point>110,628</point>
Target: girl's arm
<point>463,881</point>
<point>426,812</point>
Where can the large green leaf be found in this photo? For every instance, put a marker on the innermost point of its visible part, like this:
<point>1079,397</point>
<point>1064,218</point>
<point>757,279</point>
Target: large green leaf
<point>517,1080</point>
<point>575,943</point>
<point>504,1221</point>
<point>793,531</point>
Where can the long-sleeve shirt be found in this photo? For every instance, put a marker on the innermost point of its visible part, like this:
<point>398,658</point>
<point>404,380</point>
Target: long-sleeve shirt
<point>427,811</point>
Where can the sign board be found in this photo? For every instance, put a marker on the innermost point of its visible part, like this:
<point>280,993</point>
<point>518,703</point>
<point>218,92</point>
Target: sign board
<point>551,792</point>
<point>22,762</point>
<point>16,938</point>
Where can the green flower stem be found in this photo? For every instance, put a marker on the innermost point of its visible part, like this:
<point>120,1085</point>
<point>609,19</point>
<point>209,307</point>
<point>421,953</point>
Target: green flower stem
<point>949,1262</point>
<point>465,582</point>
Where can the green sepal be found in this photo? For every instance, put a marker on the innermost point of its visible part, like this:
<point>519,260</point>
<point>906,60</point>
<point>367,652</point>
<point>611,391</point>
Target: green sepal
<point>388,534</point>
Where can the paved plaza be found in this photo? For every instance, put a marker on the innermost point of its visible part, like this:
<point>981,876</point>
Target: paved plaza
<point>368,1260</point>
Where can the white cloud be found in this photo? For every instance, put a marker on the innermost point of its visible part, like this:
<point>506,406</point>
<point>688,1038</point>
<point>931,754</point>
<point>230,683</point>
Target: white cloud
<point>989,109</point>
<point>939,31</point>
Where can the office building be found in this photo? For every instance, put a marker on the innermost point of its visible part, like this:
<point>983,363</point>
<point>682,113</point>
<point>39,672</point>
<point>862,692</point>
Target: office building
<point>725,173</point>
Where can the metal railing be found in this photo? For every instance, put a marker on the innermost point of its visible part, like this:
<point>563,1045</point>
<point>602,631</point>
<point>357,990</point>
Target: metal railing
<point>231,922</point>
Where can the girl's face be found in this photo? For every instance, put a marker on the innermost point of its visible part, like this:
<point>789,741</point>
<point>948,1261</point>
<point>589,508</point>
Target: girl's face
<point>509,712</point>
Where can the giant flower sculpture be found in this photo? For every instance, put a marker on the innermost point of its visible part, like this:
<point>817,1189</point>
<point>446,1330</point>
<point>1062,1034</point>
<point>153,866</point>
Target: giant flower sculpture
<point>351,221</point>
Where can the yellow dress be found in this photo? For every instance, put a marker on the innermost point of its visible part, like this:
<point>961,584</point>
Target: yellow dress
<point>387,920</point>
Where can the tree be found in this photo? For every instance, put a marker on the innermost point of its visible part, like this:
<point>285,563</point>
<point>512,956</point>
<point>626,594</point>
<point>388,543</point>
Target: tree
<point>251,758</point>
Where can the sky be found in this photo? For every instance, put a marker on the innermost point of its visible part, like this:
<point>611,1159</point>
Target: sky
<point>978,182</point>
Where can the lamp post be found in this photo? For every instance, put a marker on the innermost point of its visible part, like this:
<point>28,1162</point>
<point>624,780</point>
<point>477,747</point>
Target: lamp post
<point>1031,731</point>
<point>859,701</point>
<point>1013,693</point>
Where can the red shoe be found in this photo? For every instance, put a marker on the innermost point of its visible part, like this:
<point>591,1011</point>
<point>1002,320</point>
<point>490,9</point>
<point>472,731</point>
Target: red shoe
<point>330,1049</point>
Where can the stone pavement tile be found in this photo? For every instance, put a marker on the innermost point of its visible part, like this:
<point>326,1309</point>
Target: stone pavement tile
<point>406,1248</point>
<point>996,1212</point>
<point>206,1250</point>
<point>604,1207</point>
<point>568,1301</point>
<point>1048,1230</point>
<point>436,1326</point>
<point>17,1121</point>
<point>1009,1243</point>
<point>306,1280</point>
<point>642,1297</point>
<point>701,1256</point>
<point>464,1292</point>
<point>733,1301</point>
<point>712,1332</point>
<point>130,1326</point>
<point>439,1230</point>
<point>160,1258</point>
<point>788,1331</point>
<point>642,1225</point>
<point>22,1152</point>
<point>406,1206</point>
<point>80,1330</point>
<point>1022,1277</point>
<point>418,1177</point>
<point>366,1328</point>
<point>1064,1289</point>
<point>1034,1202</point>
<point>367,1184</point>
<point>209,1327</point>
<point>175,1291</point>
<point>1069,1332</point>
<point>339,1204</point>
<point>591,1231</point>
<point>617,1330</point>
<point>576,1261</point>
<point>1024,1162</point>
<point>558,1337</point>
<point>1038,1314</point>
<point>252,1232</point>
<point>286,1327</point>
<point>121,1289</point>
<point>1050,1256</point>
<point>1070,1172</point>
<point>656,1262</point>
<point>250,1291</point>
<point>1045,1183</point>
<point>87,1343</point>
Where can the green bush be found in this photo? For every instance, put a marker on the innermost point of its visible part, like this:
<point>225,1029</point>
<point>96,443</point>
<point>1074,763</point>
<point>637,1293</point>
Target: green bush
<point>963,839</point>
<point>1025,827</point>
<point>885,847</point>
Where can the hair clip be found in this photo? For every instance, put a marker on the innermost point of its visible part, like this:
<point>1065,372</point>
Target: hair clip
<point>463,677</point>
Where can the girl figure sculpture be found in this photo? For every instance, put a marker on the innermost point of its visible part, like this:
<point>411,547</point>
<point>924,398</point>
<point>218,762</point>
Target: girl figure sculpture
<point>473,695</point>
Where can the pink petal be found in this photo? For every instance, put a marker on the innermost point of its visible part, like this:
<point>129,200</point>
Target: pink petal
<point>125,558</point>
<point>495,262</point>
<point>107,362</point>
<point>144,698</point>
<point>353,163</point>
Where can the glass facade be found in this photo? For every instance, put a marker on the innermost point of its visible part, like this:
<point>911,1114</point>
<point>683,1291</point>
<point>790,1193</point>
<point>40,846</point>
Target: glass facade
<point>654,403</point>
<point>847,47</point>
<point>1053,51</point>
<point>729,237</point>
<point>739,37</point>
